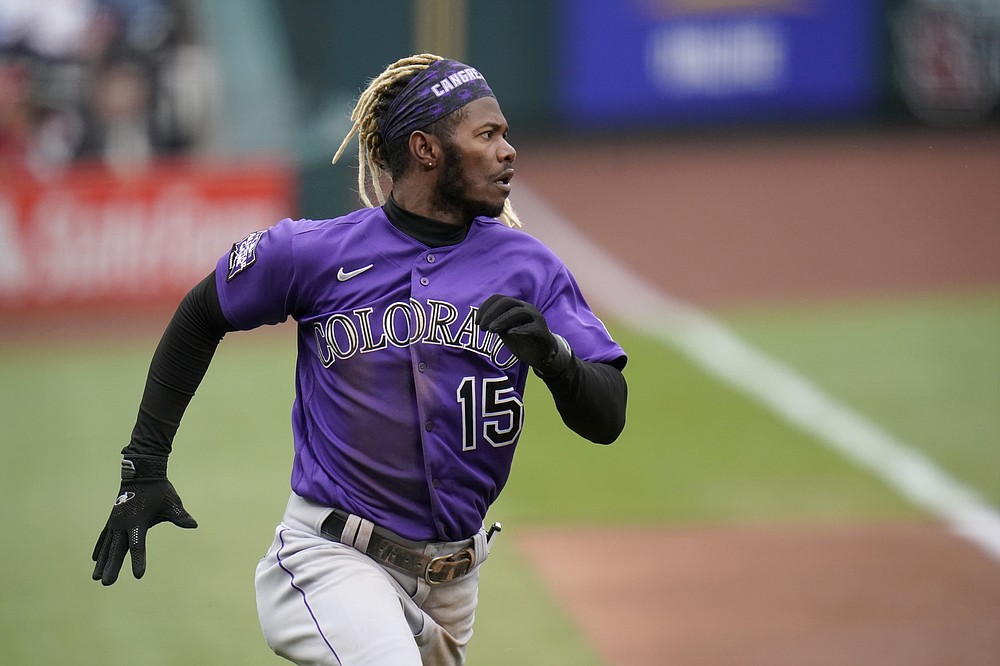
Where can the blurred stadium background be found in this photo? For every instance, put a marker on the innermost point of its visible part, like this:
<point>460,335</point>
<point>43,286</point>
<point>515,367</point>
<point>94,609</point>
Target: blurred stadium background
<point>140,138</point>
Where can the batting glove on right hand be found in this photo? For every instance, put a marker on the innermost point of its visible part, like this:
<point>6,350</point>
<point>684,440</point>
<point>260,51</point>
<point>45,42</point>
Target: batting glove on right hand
<point>145,498</point>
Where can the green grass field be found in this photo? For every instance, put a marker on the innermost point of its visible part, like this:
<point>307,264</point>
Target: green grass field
<point>694,452</point>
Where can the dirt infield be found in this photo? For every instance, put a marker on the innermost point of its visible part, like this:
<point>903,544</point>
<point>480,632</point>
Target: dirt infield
<point>750,220</point>
<point>892,595</point>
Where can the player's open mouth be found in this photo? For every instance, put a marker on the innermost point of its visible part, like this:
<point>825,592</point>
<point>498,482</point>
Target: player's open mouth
<point>504,180</point>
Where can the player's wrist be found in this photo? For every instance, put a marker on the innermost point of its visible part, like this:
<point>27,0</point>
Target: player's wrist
<point>557,361</point>
<point>136,466</point>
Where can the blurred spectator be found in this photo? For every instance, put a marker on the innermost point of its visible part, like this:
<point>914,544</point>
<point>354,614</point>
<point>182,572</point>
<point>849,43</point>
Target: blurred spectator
<point>40,121</point>
<point>948,57</point>
<point>115,81</point>
<point>51,29</point>
<point>120,130</point>
<point>15,118</point>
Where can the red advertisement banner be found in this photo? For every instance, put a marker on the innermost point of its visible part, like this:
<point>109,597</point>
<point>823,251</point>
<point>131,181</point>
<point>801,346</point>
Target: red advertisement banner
<point>91,237</point>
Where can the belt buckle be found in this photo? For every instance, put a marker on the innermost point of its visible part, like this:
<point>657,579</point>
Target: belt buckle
<point>446,568</point>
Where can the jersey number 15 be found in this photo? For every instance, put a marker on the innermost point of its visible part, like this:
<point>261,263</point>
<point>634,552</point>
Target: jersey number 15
<point>493,412</point>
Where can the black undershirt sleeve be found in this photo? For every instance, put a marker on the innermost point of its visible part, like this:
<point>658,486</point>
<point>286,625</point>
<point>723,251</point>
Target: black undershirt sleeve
<point>591,398</point>
<point>178,365</point>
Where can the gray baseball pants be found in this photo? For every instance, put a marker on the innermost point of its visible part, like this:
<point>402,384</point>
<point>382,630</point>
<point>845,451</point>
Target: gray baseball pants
<point>323,602</point>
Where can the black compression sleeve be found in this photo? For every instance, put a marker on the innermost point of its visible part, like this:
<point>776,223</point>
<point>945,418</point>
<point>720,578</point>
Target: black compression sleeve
<point>177,368</point>
<point>591,399</point>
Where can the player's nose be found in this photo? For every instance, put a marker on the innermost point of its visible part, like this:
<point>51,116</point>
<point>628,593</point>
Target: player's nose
<point>506,152</point>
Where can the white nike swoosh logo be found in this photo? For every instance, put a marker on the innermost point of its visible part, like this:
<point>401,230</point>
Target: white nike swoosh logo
<point>344,276</point>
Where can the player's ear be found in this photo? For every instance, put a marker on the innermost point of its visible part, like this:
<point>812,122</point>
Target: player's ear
<point>425,149</point>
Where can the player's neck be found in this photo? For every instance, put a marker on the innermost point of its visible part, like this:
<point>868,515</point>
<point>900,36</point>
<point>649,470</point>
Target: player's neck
<point>427,230</point>
<point>417,193</point>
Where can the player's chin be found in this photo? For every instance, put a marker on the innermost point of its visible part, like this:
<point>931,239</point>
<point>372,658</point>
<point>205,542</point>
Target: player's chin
<point>490,208</point>
<point>500,198</point>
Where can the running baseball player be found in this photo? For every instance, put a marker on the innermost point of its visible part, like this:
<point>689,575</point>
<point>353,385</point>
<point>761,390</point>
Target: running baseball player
<point>419,317</point>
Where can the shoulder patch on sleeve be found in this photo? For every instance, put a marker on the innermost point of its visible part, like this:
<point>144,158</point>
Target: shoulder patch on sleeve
<point>243,254</point>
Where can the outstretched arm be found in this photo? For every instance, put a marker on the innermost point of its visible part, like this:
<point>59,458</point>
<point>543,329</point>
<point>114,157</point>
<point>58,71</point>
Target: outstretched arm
<point>146,497</point>
<point>590,397</point>
<point>179,364</point>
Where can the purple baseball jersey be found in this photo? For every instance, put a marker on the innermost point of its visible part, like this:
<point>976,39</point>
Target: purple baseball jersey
<point>406,413</point>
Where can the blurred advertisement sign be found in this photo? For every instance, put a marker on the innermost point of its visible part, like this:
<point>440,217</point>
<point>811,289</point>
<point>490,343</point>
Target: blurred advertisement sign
<point>93,237</point>
<point>947,58</point>
<point>642,62</point>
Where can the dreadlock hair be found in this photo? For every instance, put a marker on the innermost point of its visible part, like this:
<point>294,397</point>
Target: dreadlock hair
<point>376,158</point>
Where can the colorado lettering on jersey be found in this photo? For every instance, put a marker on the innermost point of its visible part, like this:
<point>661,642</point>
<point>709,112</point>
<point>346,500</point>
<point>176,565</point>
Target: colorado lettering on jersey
<point>405,323</point>
<point>453,81</point>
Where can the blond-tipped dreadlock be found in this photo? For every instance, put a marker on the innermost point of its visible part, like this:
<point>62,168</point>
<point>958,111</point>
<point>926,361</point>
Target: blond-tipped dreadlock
<point>371,161</point>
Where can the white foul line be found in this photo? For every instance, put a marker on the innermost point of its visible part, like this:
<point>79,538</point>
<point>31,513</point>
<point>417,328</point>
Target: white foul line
<point>624,295</point>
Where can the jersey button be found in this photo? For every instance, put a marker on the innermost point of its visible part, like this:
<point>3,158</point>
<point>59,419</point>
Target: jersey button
<point>424,281</point>
<point>431,258</point>
<point>422,367</point>
<point>429,426</point>
<point>436,483</point>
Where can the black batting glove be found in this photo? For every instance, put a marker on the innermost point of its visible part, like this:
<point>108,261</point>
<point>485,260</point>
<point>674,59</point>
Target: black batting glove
<point>525,333</point>
<point>145,498</point>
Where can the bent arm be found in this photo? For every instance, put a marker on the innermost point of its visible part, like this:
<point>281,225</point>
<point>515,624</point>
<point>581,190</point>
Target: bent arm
<point>178,365</point>
<point>590,398</point>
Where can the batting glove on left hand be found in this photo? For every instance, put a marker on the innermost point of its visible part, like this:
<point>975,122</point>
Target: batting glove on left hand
<point>526,334</point>
<point>146,498</point>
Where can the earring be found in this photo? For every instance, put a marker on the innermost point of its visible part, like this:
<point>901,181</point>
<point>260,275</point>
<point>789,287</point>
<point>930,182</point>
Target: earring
<point>430,164</point>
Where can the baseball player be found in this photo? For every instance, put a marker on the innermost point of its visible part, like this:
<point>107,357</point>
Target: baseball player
<point>419,317</point>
